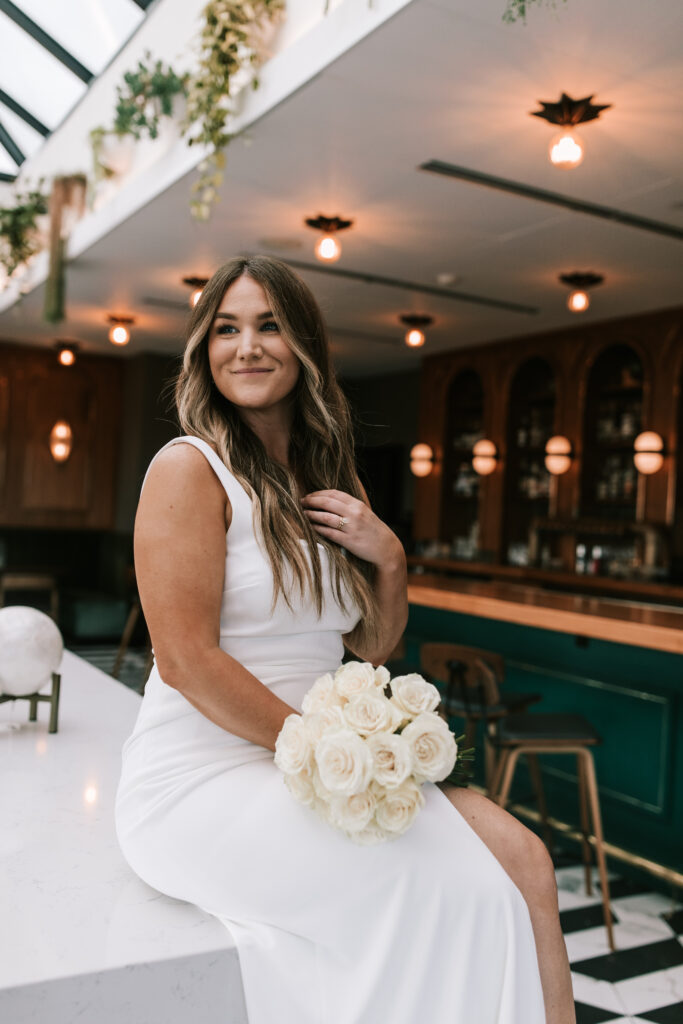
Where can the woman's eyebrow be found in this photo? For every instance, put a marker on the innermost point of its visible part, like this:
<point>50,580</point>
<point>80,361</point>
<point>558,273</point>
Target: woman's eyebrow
<point>231,316</point>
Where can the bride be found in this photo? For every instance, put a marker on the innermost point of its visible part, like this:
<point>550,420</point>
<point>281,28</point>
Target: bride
<point>258,560</point>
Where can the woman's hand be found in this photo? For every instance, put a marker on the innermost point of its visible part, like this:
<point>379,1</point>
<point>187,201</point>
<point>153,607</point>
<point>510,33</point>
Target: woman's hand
<point>363,534</point>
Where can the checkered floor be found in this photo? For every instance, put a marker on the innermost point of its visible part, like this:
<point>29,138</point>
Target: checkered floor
<point>639,983</point>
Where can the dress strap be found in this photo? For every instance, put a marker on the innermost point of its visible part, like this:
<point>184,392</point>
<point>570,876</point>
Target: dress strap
<point>234,489</point>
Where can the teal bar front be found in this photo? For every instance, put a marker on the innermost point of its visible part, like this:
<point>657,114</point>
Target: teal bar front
<point>632,697</point>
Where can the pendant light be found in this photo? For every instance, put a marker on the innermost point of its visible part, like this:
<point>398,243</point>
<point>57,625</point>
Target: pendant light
<point>119,332</point>
<point>197,284</point>
<point>415,336</point>
<point>328,249</point>
<point>579,300</point>
<point>66,352</point>
<point>566,148</point>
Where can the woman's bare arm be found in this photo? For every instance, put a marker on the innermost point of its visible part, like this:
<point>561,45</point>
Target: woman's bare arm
<point>180,549</point>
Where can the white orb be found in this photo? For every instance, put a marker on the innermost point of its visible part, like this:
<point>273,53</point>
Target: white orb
<point>31,649</point>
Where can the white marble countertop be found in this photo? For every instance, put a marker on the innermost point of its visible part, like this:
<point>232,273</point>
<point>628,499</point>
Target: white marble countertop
<point>70,904</point>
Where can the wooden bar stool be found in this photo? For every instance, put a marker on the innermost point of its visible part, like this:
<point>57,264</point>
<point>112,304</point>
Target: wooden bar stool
<point>473,694</point>
<point>539,733</point>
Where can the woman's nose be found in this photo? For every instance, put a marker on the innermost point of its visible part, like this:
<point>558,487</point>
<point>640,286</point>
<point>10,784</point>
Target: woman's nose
<point>249,341</point>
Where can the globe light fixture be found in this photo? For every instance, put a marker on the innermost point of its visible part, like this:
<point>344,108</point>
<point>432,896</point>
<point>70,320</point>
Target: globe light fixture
<point>579,282</point>
<point>415,336</point>
<point>648,452</point>
<point>61,441</point>
<point>566,148</point>
<point>558,457</point>
<point>484,457</point>
<point>421,460</point>
<point>328,248</point>
<point>119,332</point>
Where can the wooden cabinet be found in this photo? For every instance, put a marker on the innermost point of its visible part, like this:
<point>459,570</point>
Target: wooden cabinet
<point>599,385</point>
<point>35,392</point>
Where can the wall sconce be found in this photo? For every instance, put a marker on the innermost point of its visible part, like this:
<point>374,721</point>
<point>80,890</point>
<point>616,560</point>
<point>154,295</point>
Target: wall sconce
<point>558,454</point>
<point>566,148</point>
<point>414,336</point>
<point>421,460</point>
<point>328,249</point>
<point>484,457</point>
<point>648,452</point>
<point>66,352</point>
<point>197,284</point>
<point>61,441</point>
<point>119,332</point>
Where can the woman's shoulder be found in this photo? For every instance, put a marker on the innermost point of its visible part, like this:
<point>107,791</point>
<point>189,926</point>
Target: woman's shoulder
<point>186,467</point>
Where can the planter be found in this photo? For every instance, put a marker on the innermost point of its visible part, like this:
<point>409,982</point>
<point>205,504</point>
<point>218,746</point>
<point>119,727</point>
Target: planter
<point>117,152</point>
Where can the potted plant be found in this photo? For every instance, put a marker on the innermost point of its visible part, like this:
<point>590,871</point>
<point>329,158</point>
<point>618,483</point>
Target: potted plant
<point>516,10</point>
<point>22,229</point>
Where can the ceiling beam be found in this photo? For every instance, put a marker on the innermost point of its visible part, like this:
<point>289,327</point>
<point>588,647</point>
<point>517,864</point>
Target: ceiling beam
<point>413,286</point>
<point>143,4</point>
<point>46,41</point>
<point>23,113</point>
<point>8,143</point>
<point>554,198</point>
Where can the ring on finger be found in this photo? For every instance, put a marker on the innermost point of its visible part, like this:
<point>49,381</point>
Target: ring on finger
<point>342,523</point>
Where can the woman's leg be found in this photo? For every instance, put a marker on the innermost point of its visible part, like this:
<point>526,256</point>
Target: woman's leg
<point>526,860</point>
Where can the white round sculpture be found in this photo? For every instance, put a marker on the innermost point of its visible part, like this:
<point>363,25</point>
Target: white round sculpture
<point>31,648</point>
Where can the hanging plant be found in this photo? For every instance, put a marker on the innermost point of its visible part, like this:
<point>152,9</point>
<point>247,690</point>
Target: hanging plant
<point>516,9</point>
<point>20,235</point>
<point>146,95</point>
<point>231,51</point>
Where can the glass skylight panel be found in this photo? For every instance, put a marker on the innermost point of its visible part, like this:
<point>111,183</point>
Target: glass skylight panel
<point>91,30</point>
<point>25,137</point>
<point>36,79</point>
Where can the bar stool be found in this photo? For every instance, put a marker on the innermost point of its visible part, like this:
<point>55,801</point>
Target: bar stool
<point>557,733</point>
<point>472,694</point>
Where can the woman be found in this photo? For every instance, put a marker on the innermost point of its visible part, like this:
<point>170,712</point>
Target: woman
<point>258,558</point>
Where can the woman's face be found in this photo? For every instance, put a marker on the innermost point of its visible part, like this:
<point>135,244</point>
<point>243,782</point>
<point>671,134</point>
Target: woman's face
<point>251,364</point>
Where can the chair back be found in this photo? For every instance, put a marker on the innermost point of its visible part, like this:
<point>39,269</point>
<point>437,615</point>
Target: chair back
<point>471,674</point>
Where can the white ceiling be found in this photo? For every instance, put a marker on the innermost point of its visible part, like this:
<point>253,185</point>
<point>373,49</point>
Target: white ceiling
<point>446,80</point>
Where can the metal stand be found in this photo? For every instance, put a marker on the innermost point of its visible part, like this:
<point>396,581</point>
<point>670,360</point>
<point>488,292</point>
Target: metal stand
<point>52,698</point>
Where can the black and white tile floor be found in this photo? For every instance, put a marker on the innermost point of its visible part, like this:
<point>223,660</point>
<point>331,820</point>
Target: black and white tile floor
<point>640,983</point>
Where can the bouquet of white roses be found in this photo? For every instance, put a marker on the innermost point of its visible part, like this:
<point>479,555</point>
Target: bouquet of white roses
<point>363,746</point>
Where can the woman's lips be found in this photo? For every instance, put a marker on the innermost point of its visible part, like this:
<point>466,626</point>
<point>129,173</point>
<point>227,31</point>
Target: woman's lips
<point>252,371</point>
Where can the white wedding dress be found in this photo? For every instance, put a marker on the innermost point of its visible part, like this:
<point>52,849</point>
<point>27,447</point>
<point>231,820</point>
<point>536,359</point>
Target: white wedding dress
<point>425,929</point>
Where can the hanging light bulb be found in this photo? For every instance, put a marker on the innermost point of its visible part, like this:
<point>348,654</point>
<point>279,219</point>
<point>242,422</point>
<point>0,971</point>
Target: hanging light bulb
<point>578,301</point>
<point>61,440</point>
<point>197,284</point>
<point>66,352</point>
<point>119,332</point>
<point>327,249</point>
<point>648,450</point>
<point>415,336</point>
<point>566,150</point>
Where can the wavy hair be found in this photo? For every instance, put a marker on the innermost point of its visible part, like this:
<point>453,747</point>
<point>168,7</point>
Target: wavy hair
<point>321,445</point>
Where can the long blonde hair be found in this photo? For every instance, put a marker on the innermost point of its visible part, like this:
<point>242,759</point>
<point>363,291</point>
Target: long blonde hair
<point>321,446</point>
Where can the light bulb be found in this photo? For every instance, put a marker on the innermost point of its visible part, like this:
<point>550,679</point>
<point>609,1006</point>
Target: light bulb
<point>328,249</point>
<point>119,334</point>
<point>414,337</point>
<point>421,460</point>
<point>484,457</point>
<point>558,454</point>
<point>648,457</point>
<point>566,150</point>
<point>578,302</point>
<point>195,297</point>
<point>67,357</point>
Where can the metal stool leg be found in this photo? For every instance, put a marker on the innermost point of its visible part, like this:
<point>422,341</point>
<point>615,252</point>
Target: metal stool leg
<point>54,701</point>
<point>510,765</point>
<point>594,802</point>
<point>583,809</point>
<point>33,709</point>
<point>536,778</point>
<point>489,756</point>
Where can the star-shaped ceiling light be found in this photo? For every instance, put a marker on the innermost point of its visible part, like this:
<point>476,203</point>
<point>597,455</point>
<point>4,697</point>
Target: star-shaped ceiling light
<point>566,149</point>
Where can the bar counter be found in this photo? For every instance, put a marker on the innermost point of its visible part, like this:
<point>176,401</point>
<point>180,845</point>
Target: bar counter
<point>617,662</point>
<point>623,622</point>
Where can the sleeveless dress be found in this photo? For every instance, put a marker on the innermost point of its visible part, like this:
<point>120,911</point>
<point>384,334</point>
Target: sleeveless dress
<point>427,928</point>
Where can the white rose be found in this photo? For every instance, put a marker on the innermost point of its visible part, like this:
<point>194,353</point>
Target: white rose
<point>353,813</point>
<point>392,757</point>
<point>317,723</point>
<point>396,811</point>
<point>433,746</point>
<point>371,835</point>
<point>321,695</point>
<point>382,676</point>
<point>322,809</point>
<point>413,695</point>
<point>370,712</point>
<point>322,792</point>
<point>293,749</point>
<point>344,762</point>
<point>301,787</point>
<point>353,678</point>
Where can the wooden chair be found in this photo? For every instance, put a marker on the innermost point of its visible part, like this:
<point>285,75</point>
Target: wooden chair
<point>473,694</point>
<point>556,733</point>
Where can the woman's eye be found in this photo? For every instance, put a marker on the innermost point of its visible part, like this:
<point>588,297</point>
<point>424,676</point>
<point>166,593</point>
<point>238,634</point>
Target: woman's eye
<point>270,323</point>
<point>224,328</point>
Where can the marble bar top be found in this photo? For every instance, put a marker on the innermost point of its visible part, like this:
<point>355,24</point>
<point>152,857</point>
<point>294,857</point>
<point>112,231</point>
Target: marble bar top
<point>81,936</point>
<point>622,622</point>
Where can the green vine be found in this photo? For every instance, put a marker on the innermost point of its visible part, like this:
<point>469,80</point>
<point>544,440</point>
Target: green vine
<point>18,230</point>
<point>229,43</point>
<point>516,10</point>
